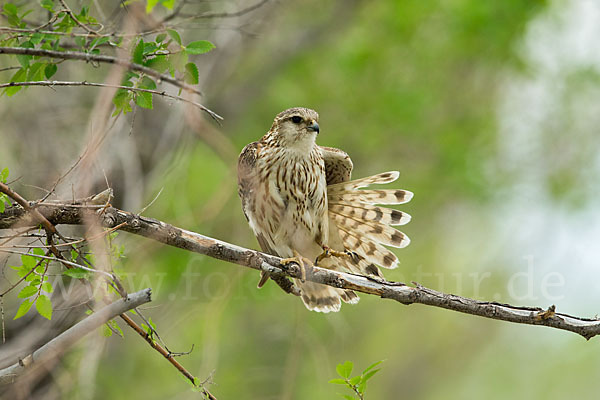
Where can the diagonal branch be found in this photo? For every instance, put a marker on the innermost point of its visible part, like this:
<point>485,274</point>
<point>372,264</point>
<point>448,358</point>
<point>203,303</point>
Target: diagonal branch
<point>75,55</point>
<point>74,333</point>
<point>191,241</point>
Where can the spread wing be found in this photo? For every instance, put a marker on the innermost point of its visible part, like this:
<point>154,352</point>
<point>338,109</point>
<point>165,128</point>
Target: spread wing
<point>363,227</point>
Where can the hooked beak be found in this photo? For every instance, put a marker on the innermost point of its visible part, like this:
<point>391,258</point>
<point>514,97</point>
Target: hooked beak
<point>313,127</point>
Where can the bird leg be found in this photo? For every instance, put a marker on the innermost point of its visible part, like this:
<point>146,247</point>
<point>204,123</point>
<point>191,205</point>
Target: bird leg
<point>329,252</point>
<point>302,262</point>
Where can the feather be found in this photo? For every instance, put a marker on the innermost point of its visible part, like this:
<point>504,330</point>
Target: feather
<point>382,196</point>
<point>385,177</point>
<point>374,231</point>
<point>367,212</point>
<point>371,251</point>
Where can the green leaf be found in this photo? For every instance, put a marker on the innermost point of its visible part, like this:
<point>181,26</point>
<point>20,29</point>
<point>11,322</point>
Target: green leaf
<point>174,35</point>
<point>23,308</point>
<point>138,52</point>
<point>43,306</point>
<point>147,83</point>
<point>159,63</point>
<point>38,251</point>
<point>344,370</point>
<point>19,76</point>
<point>48,5</point>
<point>369,375</point>
<point>36,38</point>
<point>191,73</point>
<point>2,206</point>
<point>149,48</point>
<point>348,397</point>
<point>36,72</point>
<point>150,4</point>
<point>168,4</point>
<point>116,326</point>
<point>27,291</point>
<point>199,47</point>
<point>355,380</point>
<point>143,99</point>
<point>10,9</point>
<point>362,387</point>
<point>47,287</point>
<point>338,381</point>
<point>28,261</point>
<point>23,58</point>
<point>50,70</point>
<point>106,331</point>
<point>370,367</point>
<point>77,273</point>
<point>161,37</point>
<point>4,175</point>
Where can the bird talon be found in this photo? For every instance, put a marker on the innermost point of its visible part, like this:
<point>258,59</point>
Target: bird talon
<point>297,259</point>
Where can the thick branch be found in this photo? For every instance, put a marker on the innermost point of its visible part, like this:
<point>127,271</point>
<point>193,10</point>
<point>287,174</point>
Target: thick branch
<point>75,55</point>
<point>74,333</point>
<point>191,241</point>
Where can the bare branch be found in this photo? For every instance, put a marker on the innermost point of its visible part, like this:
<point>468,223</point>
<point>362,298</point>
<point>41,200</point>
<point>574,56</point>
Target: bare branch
<point>73,334</point>
<point>191,241</point>
<point>75,55</point>
<point>133,89</point>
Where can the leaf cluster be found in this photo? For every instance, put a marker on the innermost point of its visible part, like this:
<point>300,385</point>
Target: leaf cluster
<point>358,383</point>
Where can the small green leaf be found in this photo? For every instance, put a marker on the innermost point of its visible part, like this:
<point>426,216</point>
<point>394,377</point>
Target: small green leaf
<point>355,380</point>
<point>338,381</point>
<point>27,291</point>
<point>28,261</point>
<point>370,374</point>
<point>2,206</point>
<point>199,47</point>
<point>144,99</point>
<point>4,175</point>
<point>19,76</point>
<point>47,287</point>
<point>147,83</point>
<point>168,4</point>
<point>36,72</point>
<point>23,58</point>
<point>50,70</point>
<point>48,5</point>
<point>348,397</point>
<point>44,306</point>
<point>38,251</point>
<point>23,308</point>
<point>370,367</point>
<point>174,35</point>
<point>159,63</point>
<point>150,4</point>
<point>191,73</point>
<point>10,9</point>
<point>161,37</point>
<point>138,52</point>
<point>106,331</point>
<point>344,370</point>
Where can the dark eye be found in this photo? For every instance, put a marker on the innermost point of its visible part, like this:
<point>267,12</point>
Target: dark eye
<point>296,119</point>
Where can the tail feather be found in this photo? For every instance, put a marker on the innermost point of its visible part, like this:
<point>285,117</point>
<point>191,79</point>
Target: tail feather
<point>323,298</point>
<point>385,177</point>
<point>371,251</point>
<point>374,231</point>
<point>367,212</point>
<point>380,196</point>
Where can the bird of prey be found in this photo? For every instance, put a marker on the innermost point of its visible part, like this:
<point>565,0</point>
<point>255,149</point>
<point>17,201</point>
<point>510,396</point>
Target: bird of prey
<point>302,206</point>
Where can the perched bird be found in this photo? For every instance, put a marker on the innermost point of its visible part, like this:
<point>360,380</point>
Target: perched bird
<point>302,206</point>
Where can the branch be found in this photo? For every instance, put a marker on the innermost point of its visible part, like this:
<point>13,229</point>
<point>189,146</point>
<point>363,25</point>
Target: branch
<point>85,83</point>
<point>75,55</point>
<point>191,241</point>
<point>74,333</point>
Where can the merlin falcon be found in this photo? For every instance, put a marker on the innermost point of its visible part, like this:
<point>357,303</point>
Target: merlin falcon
<point>302,206</point>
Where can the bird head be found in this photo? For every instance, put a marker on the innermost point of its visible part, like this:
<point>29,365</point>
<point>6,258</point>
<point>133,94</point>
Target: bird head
<point>296,128</point>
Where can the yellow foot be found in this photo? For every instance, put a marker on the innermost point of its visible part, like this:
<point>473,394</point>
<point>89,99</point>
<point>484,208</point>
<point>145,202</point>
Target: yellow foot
<point>329,252</point>
<point>301,261</point>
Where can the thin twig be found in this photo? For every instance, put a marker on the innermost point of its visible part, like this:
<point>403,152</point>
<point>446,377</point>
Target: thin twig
<point>85,83</point>
<point>74,18</point>
<point>75,55</point>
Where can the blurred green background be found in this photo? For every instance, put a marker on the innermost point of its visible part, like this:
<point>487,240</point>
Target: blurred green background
<point>490,112</point>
